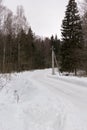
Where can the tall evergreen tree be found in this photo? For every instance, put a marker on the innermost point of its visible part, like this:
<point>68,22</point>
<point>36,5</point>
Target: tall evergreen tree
<point>72,38</point>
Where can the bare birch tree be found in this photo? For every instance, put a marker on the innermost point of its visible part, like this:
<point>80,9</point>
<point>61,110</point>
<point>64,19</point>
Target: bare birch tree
<point>20,23</point>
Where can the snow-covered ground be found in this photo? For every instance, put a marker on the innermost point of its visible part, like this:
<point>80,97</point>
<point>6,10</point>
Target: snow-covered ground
<point>37,100</point>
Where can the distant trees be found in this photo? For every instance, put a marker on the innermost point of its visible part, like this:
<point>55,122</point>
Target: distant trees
<point>20,49</point>
<point>72,39</point>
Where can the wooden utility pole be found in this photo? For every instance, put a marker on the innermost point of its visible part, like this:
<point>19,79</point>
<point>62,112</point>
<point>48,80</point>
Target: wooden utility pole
<point>53,71</point>
<point>56,61</point>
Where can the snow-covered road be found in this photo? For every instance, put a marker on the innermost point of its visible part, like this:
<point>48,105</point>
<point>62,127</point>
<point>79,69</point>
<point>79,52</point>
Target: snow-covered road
<point>39,101</point>
<point>72,88</point>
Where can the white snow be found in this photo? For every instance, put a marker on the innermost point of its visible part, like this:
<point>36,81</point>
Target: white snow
<point>36,100</point>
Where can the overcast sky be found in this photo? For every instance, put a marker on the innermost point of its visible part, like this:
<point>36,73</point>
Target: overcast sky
<point>44,16</point>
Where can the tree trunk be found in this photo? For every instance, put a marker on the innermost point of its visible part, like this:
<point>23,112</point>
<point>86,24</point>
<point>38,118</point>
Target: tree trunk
<point>4,51</point>
<point>75,72</point>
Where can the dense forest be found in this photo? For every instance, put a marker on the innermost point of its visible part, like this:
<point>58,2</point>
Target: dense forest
<point>21,49</point>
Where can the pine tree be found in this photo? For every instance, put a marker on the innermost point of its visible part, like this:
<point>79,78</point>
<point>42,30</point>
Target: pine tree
<point>72,38</point>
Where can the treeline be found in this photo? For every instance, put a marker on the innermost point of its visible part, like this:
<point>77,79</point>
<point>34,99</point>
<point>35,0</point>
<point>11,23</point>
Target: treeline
<point>20,48</point>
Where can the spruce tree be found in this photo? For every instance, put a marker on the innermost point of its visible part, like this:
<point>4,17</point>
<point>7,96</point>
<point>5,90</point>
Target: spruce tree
<point>72,38</point>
